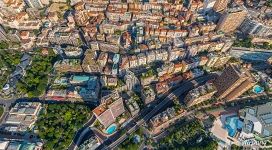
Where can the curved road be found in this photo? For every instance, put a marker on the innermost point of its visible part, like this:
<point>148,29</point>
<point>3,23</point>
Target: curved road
<point>81,133</point>
<point>111,143</point>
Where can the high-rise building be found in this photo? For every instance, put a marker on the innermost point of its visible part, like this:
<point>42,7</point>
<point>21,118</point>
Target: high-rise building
<point>131,80</point>
<point>231,19</point>
<point>34,3</point>
<point>233,82</point>
<point>220,5</point>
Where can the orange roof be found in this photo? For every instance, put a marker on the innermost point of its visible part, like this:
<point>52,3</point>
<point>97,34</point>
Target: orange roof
<point>24,33</point>
<point>99,109</point>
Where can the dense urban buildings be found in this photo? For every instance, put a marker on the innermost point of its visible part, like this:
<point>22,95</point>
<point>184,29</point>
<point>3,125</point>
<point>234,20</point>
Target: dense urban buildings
<point>134,74</point>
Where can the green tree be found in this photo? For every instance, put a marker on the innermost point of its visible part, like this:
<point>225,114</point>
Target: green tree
<point>4,45</point>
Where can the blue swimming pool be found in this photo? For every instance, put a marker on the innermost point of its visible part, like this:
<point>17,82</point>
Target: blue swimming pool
<point>258,89</point>
<point>232,124</point>
<point>111,129</point>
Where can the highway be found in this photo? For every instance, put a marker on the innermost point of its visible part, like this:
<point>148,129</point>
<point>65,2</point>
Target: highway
<point>111,143</point>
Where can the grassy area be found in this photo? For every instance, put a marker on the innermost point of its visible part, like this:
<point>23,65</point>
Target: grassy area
<point>58,124</point>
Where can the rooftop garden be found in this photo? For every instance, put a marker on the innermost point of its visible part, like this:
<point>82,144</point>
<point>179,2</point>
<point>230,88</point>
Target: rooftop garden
<point>149,73</point>
<point>137,98</point>
<point>58,124</point>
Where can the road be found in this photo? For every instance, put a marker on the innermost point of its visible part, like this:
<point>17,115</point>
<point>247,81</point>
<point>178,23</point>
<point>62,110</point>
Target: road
<point>7,102</point>
<point>81,133</point>
<point>251,54</point>
<point>111,143</point>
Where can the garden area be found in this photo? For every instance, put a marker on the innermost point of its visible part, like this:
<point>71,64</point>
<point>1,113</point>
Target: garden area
<point>149,73</point>
<point>8,62</point>
<point>133,141</point>
<point>248,44</point>
<point>189,135</point>
<point>58,123</point>
<point>35,81</point>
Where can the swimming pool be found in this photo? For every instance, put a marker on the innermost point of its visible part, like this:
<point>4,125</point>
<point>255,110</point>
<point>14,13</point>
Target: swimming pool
<point>232,124</point>
<point>111,129</point>
<point>258,89</point>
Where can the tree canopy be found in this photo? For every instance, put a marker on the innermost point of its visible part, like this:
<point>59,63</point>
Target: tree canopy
<point>58,124</point>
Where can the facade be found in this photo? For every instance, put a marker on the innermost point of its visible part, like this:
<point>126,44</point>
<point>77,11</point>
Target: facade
<point>233,82</point>
<point>231,19</point>
<point>220,5</point>
<point>200,94</point>
<point>34,3</point>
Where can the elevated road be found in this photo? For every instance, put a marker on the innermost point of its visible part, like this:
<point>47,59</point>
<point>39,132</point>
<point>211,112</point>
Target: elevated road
<point>250,54</point>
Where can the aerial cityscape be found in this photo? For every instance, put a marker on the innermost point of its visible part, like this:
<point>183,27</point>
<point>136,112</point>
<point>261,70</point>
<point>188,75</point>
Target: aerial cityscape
<point>135,74</point>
